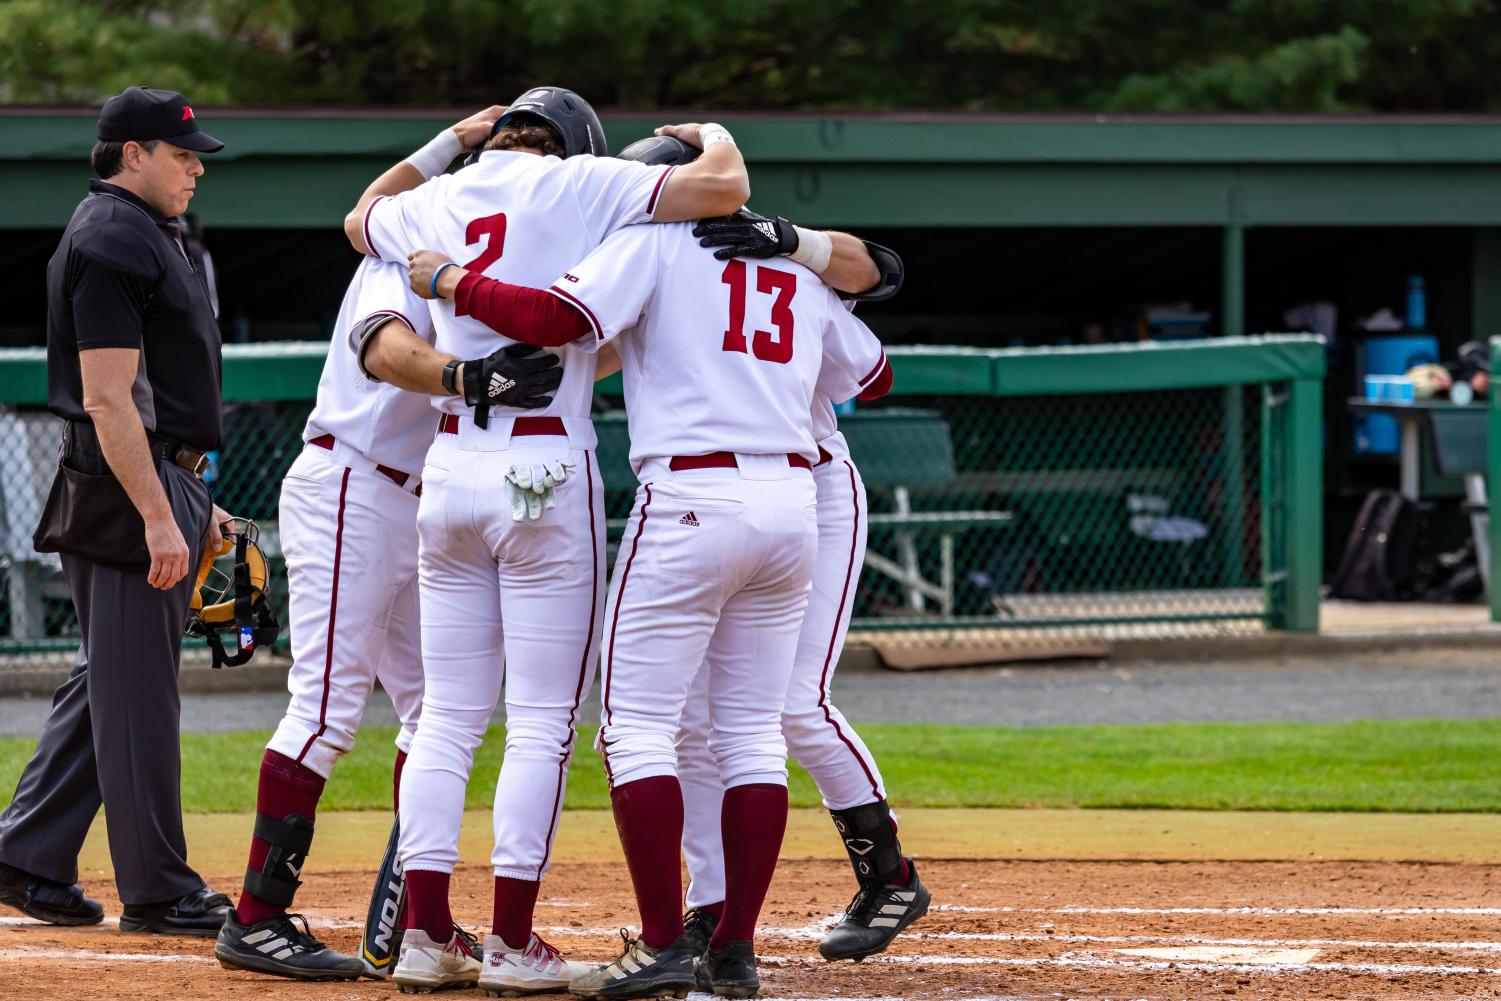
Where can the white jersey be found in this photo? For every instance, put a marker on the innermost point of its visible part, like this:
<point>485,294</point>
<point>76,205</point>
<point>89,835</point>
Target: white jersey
<point>722,356</point>
<point>390,426</point>
<point>522,219</point>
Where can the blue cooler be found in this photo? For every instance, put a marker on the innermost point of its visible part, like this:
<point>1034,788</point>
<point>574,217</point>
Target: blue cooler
<point>1388,354</point>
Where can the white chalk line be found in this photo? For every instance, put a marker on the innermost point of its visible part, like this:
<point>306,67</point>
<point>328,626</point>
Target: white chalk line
<point>94,957</point>
<point>1185,965</point>
<point>1194,940</point>
<point>1066,960</point>
<point>11,921</point>
<point>1233,911</point>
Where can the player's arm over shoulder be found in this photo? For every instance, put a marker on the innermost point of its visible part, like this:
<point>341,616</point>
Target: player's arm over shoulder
<point>717,183</point>
<point>854,362</point>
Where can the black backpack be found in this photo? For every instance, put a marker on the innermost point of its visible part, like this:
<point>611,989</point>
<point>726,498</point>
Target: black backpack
<point>1383,552</point>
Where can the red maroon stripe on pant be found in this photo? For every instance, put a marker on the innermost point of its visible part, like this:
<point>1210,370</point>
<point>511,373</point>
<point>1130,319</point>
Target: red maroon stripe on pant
<point>604,748</point>
<point>333,612</point>
<point>828,659</point>
<point>578,692</point>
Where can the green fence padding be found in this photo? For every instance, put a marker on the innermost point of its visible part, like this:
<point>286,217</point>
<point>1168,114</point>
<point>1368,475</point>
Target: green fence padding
<point>1111,368</point>
<point>1132,490</point>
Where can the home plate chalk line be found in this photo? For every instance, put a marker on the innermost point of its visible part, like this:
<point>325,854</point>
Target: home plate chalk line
<point>1068,959</point>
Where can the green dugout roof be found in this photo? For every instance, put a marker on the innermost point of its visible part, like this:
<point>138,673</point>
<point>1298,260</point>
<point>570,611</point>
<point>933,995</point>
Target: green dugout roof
<point>305,168</point>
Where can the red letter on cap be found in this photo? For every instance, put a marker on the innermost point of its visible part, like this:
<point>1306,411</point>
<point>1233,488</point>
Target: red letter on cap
<point>187,112</point>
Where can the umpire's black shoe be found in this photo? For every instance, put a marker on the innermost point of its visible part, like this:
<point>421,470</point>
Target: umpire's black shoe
<point>875,916</point>
<point>729,972</point>
<point>46,900</point>
<point>201,913</point>
<point>278,947</point>
<point>698,928</point>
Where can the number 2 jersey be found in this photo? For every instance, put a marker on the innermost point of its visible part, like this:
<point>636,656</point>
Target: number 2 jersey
<point>522,219</point>
<point>718,355</point>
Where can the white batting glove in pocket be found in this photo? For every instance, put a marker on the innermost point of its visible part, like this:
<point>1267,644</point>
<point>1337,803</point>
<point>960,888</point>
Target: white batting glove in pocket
<point>531,484</point>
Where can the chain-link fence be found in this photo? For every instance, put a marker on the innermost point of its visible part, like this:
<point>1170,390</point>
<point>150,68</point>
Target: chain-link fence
<point>1027,495</point>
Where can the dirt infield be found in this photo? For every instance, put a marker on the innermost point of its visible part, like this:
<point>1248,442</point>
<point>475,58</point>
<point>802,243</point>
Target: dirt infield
<point>999,929</point>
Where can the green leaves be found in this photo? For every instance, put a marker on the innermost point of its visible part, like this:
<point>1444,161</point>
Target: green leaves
<point>997,55</point>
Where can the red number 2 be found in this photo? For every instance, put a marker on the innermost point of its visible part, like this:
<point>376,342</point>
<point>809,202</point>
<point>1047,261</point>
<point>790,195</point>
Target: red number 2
<point>776,348</point>
<point>493,227</point>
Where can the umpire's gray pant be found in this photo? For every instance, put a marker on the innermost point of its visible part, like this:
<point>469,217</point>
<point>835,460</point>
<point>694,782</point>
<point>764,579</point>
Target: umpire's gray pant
<point>112,737</point>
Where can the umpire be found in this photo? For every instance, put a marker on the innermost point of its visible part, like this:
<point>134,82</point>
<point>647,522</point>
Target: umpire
<point>133,369</point>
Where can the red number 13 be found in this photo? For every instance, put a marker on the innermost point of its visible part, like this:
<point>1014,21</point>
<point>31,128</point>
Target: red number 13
<point>764,345</point>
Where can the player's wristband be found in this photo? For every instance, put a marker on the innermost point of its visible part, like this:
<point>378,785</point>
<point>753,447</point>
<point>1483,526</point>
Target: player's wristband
<point>712,132</point>
<point>814,248</point>
<point>433,285</point>
<point>451,376</point>
<point>434,158</point>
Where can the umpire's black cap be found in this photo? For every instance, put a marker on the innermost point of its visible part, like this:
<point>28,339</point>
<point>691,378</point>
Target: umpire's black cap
<point>144,113</point>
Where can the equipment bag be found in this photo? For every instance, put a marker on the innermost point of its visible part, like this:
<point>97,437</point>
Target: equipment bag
<point>1381,557</point>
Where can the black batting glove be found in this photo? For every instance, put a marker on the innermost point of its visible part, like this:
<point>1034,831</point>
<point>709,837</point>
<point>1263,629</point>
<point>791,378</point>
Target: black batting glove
<point>517,375</point>
<point>747,234</point>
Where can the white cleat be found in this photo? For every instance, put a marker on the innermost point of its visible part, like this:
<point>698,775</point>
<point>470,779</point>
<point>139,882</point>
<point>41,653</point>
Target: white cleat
<point>426,966</point>
<point>537,969</point>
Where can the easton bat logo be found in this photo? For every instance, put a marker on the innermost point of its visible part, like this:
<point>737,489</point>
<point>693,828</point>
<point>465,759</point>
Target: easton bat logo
<point>388,911</point>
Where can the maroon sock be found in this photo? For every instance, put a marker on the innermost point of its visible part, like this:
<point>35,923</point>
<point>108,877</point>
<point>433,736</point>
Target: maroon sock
<point>401,762</point>
<point>904,873</point>
<point>515,899</point>
<point>649,817</point>
<point>752,820</point>
<point>285,788</point>
<point>716,910</point>
<point>427,903</point>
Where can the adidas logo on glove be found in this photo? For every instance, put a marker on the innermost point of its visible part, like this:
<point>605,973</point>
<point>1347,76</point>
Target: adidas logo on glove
<point>500,384</point>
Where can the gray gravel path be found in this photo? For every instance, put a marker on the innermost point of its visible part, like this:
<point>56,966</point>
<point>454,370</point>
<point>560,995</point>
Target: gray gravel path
<point>1448,683</point>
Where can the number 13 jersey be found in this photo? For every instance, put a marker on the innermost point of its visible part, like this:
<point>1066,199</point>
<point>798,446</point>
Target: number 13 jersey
<point>520,218</point>
<point>718,355</point>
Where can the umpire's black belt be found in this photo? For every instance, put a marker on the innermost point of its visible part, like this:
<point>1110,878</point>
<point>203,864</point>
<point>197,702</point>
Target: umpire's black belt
<point>81,435</point>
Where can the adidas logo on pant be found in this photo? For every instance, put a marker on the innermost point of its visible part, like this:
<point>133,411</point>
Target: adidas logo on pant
<point>689,520</point>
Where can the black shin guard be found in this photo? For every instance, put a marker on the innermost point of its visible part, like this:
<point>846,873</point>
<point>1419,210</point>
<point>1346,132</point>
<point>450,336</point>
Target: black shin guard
<point>278,878</point>
<point>870,839</point>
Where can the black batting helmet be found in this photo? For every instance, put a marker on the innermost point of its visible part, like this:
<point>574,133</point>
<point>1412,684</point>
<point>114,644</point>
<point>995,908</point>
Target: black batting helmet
<point>565,111</point>
<point>660,151</point>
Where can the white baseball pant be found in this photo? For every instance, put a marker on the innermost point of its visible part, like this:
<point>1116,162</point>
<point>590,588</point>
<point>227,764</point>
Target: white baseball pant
<point>349,536</point>
<point>817,734</point>
<point>501,600</point>
<point>715,565</point>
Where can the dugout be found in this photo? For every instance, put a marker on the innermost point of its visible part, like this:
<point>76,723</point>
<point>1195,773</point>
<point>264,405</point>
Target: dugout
<point>1017,230</point>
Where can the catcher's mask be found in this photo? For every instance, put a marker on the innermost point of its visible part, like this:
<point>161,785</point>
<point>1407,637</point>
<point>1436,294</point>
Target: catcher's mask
<point>235,599</point>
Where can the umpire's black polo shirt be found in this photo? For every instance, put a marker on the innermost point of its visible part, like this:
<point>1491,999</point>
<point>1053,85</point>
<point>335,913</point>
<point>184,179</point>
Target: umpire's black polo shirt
<point>121,279</point>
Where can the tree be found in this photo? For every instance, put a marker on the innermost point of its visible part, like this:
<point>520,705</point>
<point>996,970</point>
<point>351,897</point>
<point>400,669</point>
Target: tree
<point>996,55</point>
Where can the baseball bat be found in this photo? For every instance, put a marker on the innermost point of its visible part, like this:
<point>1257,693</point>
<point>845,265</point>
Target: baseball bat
<point>381,938</point>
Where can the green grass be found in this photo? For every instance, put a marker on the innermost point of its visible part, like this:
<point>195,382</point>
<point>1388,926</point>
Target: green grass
<point>1401,765</point>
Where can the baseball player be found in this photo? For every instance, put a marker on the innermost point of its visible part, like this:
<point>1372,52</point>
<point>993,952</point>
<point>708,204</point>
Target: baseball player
<point>348,518</point>
<point>718,559</point>
<point>890,896</point>
<point>504,594</point>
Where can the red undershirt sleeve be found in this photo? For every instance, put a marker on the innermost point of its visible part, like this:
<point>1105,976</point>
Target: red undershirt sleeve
<point>528,315</point>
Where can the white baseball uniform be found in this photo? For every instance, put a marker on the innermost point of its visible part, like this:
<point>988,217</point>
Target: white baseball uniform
<point>500,598</point>
<point>718,553</point>
<point>817,734</point>
<point>348,524</point>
